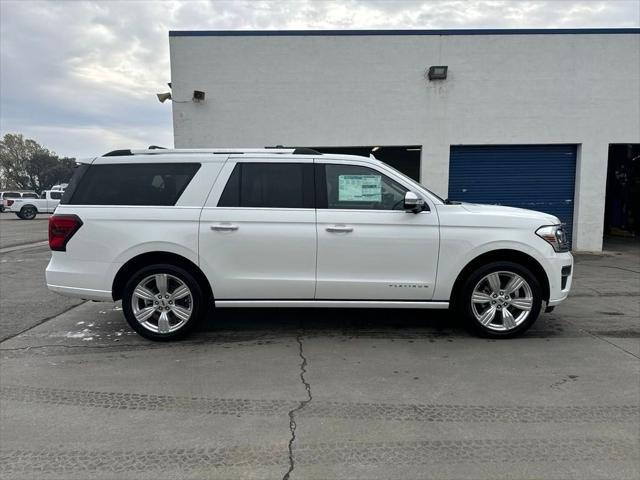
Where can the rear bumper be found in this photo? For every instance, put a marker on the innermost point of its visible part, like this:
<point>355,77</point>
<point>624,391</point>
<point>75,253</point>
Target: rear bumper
<point>89,280</point>
<point>84,293</point>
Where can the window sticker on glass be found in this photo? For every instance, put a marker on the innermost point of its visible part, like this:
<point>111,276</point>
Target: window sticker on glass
<point>359,188</point>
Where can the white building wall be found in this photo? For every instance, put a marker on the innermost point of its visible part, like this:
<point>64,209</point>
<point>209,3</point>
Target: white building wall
<point>370,90</point>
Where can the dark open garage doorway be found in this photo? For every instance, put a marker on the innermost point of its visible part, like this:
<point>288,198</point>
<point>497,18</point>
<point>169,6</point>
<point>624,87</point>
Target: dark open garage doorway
<point>403,158</point>
<point>622,204</point>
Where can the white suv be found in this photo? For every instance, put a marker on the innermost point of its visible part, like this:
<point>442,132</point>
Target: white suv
<point>172,232</point>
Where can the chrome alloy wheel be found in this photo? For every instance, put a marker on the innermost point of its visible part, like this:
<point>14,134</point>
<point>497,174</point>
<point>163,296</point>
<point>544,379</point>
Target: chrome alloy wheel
<point>501,301</point>
<point>162,303</point>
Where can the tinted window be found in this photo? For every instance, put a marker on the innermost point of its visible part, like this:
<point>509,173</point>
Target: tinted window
<point>78,172</point>
<point>55,195</point>
<point>275,185</point>
<point>355,187</point>
<point>132,184</point>
<point>11,195</point>
<point>30,195</point>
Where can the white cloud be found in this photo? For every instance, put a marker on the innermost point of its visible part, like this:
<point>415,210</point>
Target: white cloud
<point>81,77</point>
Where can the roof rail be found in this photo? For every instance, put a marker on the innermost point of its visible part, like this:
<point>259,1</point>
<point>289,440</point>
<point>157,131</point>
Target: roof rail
<point>306,151</point>
<point>118,153</point>
<point>211,150</point>
<point>167,151</point>
<point>298,150</point>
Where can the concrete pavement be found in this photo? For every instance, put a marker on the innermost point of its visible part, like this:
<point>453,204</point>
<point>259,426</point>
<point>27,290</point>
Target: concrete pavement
<point>14,231</point>
<point>25,300</point>
<point>330,393</point>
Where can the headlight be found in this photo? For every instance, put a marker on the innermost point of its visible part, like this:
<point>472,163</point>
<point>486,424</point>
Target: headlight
<point>555,236</point>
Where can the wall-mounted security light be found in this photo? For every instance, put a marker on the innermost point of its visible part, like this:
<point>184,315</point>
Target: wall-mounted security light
<point>438,72</point>
<point>198,96</point>
<point>163,97</point>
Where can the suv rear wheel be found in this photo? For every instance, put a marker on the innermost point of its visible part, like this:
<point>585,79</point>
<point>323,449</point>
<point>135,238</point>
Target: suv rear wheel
<point>163,302</point>
<point>501,300</point>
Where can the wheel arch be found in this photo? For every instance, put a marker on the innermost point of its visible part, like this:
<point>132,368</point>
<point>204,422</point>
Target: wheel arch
<point>503,255</point>
<point>29,205</point>
<point>22,207</point>
<point>150,258</point>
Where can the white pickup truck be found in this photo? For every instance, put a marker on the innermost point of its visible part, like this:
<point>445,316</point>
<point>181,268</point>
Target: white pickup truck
<point>28,208</point>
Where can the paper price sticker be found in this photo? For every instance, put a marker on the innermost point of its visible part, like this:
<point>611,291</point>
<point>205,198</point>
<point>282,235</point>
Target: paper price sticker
<point>359,188</point>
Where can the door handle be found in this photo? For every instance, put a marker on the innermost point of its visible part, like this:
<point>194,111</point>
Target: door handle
<point>224,227</point>
<point>339,229</point>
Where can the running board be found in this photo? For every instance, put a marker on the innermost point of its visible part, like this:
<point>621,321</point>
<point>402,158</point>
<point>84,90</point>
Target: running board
<point>331,304</point>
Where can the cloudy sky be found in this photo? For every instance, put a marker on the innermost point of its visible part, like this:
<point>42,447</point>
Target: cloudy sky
<point>80,77</point>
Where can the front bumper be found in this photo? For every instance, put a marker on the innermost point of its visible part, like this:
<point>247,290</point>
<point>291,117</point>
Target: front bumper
<point>560,274</point>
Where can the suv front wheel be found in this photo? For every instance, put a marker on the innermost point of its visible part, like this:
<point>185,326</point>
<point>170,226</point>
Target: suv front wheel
<point>501,300</point>
<point>162,302</point>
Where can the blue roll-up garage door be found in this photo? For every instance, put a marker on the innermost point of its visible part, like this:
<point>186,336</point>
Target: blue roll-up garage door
<point>537,177</point>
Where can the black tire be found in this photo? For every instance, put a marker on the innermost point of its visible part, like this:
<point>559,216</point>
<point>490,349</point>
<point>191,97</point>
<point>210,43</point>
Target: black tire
<point>198,307</point>
<point>464,304</point>
<point>28,212</point>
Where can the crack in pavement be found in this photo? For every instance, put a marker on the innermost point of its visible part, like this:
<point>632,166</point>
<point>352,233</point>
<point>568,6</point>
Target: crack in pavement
<point>604,294</point>
<point>598,337</point>
<point>617,268</point>
<point>303,403</point>
<point>23,246</point>
<point>40,322</point>
<point>60,345</point>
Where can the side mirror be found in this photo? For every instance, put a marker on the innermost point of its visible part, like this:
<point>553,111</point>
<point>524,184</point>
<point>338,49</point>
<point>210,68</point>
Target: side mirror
<point>413,202</point>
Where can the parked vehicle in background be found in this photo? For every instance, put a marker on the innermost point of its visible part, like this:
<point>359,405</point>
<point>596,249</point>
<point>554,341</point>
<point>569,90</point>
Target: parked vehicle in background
<point>6,195</point>
<point>173,232</point>
<point>27,208</point>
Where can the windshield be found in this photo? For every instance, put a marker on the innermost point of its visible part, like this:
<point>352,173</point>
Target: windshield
<point>414,182</point>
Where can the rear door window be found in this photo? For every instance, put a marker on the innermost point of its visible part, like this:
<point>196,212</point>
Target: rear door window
<point>269,185</point>
<point>132,184</point>
<point>55,195</point>
<point>30,195</point>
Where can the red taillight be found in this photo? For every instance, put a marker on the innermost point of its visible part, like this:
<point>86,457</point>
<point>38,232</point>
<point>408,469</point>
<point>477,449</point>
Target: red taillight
<point>61,229</point>
<point>10,202</point>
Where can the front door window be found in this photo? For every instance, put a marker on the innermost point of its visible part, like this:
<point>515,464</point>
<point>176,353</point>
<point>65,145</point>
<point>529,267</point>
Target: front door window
<point>361,188</point>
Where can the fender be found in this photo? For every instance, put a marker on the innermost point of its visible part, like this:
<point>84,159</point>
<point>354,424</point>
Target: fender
<point>28,205</point>
<point>181,255</point>
<point>149,247</point>
<point>449,270</point>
